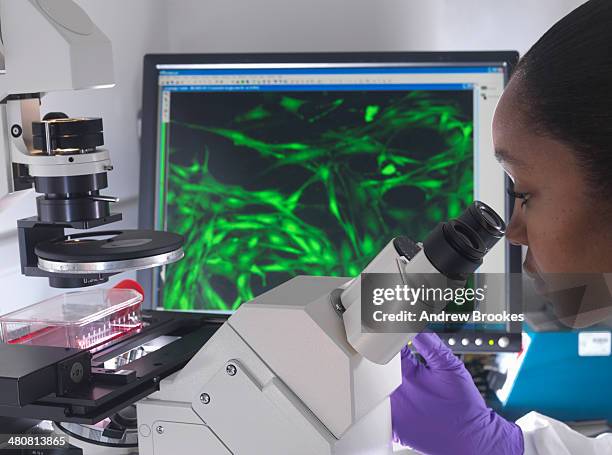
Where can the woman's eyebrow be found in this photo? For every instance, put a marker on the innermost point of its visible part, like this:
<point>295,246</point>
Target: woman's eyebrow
<point>504,156</point>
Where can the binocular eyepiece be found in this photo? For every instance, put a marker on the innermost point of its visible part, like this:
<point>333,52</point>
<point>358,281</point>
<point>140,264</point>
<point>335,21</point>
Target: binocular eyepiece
<point>457,247</point>
<point>485,222</point>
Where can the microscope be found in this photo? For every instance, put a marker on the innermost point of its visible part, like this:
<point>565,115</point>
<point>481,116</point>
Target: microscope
<point>294,371</point>
<point>48,46</point>
<point>297,371</point>
<point>52,45</point>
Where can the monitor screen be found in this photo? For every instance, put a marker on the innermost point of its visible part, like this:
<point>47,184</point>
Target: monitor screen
<point>272,170</point>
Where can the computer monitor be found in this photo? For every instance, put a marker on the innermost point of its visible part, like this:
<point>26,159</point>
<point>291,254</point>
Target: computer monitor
<point>276,165</point>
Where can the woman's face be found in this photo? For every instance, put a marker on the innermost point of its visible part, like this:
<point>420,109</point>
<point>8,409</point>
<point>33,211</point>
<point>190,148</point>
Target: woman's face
<point>565,228</point>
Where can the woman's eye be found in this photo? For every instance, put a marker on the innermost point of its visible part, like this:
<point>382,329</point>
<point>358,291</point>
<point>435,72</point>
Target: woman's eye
<point>519,195</point>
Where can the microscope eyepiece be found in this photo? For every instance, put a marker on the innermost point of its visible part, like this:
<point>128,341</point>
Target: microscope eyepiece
<point>454,249</point>
<point>464,239</point>
<point>485,221</point>
<point>457,247</point>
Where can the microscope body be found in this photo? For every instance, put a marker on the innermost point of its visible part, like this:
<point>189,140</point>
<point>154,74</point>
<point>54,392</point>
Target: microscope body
<point>297,370</point>
<point>278,377</point>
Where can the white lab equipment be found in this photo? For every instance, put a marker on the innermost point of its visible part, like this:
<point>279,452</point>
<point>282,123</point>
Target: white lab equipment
<point>46,46</point>
<point>296,370</point>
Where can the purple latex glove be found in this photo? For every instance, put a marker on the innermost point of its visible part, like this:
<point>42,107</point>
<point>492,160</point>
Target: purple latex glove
<point>438,410</point>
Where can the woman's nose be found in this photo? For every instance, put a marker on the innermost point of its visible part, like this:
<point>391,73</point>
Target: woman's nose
<point>516,232</point>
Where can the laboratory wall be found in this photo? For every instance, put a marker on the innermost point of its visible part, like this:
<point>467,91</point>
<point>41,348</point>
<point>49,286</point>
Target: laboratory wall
<point>137,27</point>
<point>360,25</point>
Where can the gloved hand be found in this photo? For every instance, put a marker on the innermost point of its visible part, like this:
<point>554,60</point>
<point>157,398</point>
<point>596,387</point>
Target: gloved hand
<point>438,410</point>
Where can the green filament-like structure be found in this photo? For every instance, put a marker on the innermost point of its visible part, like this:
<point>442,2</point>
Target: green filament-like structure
<point>329,180</point>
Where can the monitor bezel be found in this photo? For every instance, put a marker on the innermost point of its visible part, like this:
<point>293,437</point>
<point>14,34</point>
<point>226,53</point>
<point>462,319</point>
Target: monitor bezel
<point>149,125</point>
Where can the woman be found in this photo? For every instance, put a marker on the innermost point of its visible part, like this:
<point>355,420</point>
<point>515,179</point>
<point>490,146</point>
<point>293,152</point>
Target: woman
<point>553,136</point>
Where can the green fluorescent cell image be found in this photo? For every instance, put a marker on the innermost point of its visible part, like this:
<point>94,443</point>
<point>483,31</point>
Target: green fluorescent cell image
<point>265,186</point>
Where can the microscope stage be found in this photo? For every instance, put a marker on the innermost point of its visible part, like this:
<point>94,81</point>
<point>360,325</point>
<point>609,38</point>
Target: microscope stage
<point>109,251</point>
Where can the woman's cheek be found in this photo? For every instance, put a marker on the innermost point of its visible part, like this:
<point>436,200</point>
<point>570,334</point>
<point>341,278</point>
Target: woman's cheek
<point>544,248</point>
<point>553,249</point>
